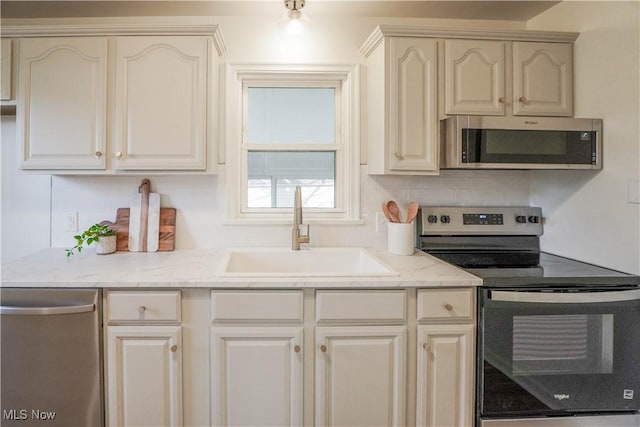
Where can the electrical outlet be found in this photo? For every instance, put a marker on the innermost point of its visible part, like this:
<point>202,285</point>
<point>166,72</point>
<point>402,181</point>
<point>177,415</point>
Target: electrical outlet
<point>71,221</point>
<point>381,222</point>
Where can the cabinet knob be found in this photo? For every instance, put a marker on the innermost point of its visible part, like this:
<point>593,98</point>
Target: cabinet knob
<point>297,349</point>
<point>142,309</point>
<point>427,346</point>
<point>323,348</point>
<point>174,348</point>
<point>501,100</point>
<point>98,153</point>
<point>448,307</point>
<point>523,99</point>
<point>118,154</point>
<point>398,155</point>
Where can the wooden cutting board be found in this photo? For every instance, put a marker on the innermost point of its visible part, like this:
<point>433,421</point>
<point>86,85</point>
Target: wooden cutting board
<point>166,236</point>
<point>144,219</point>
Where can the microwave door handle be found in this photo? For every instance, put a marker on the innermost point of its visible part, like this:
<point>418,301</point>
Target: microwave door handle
<point>565,298</point>
<point>43,311</point>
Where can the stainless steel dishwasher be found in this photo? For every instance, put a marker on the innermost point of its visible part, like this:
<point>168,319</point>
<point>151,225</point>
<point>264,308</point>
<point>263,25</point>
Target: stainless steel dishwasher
<point>51,358</point>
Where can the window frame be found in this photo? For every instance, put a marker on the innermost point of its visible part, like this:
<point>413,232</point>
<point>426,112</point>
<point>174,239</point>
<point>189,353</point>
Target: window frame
<point>346,145</point>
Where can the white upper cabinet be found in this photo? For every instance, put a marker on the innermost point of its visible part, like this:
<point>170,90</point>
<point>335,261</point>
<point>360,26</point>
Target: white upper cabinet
<point>474,77</point>
<point>542,79</point>
<point>416,76</point>
<point>479,78</point>
<point>118,102</point>
<point>402,125</point>
<point>62,103</point>
<point>161,103</point>
<point>6,72</point>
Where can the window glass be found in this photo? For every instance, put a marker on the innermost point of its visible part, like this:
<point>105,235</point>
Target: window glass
<point>273,176</point>
<point>291,115</point>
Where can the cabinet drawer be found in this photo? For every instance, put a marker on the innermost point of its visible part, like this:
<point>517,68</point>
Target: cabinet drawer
<point>445,304</point>
<point>361,306</point>
<point>256,306</point>
<point>126,306</point>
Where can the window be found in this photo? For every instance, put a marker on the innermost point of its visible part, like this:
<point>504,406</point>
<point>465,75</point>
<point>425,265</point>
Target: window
<point>291,127</point>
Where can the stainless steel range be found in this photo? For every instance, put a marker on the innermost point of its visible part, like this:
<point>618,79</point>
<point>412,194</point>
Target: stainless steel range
<point>558,339</point>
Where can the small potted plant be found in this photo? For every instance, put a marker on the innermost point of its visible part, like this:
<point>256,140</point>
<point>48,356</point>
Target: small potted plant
<point>103,236</point>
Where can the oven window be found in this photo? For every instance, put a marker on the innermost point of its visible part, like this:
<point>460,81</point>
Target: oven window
<point>562,344</point>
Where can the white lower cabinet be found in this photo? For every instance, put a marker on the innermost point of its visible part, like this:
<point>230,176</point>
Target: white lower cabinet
<point>445,375</point>
<point>360,376</point>
<point>257,376</point>
<point>445,357</point>
<point>290,357</point>
<point>143,358</point>
<point>144,376</point>
<point>257,357</point>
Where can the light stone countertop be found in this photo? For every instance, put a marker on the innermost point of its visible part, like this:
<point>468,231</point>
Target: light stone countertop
<point>201,267</point>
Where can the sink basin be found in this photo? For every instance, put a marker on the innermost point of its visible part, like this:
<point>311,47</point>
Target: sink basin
<point>314,262</point>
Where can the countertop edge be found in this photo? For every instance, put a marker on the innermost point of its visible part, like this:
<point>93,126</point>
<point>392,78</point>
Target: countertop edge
<point>198,268</point>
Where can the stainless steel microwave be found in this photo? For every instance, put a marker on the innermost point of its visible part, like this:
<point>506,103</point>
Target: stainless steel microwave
<point>492,142</point>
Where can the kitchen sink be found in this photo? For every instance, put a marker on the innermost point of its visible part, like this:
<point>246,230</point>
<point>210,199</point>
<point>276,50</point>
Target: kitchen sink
<point>314,262</point>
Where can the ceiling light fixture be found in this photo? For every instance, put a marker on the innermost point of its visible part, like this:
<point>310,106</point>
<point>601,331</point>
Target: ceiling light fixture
<point>294,23</point>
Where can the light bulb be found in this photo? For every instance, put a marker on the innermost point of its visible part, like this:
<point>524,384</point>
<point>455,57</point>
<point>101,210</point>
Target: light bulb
<point>294,23</point>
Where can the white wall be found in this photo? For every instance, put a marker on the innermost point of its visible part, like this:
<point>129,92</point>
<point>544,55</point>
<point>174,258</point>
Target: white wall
<point>25,201</point>
<point>596,216</point>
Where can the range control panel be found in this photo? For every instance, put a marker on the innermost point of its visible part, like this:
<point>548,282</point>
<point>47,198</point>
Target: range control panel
<point>470,220</point>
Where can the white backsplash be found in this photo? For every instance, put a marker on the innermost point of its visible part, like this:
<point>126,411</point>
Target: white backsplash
<point>201,205</point>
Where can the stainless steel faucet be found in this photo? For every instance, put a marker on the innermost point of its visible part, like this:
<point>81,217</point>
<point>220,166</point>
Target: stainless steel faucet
<point>296,237</point>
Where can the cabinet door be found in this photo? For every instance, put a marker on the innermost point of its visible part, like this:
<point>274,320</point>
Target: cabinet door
<point>412,104</point>
<point>5,70</point>
<point>445,375</point>
<point>474,77</point>
<point>144,376</point>
<point>161,102</point>
<point>256,376</point>
<point>360,376</point>
<point>542,79</point>
<point>61,110</point>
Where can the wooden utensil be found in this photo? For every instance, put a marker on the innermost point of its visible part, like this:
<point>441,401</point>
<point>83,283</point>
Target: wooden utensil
<point>144,219</point>
<point>387,214</point>
<point>394,210</point>
<point>412,211</point>
<point>166,235</point>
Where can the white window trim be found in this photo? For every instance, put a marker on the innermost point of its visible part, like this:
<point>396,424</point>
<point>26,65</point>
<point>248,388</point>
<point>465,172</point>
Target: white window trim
<point>347,209</point>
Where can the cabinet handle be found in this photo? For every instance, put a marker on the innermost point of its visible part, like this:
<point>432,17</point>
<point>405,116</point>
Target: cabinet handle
<point>523,99</point>
<point>98,153</point>
<point>323,348</point>
<point>118,154</point>
<point>398,156</point>
<point>297,349</point>
<point>142,309</point>
<point>448,307</point>
<point>426,346</point>
<point>174,348</point>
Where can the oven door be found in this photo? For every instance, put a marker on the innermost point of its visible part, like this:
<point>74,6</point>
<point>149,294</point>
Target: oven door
<point>551,352</point>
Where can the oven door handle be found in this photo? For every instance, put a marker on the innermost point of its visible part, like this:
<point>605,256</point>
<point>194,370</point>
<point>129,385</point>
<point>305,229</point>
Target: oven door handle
<point>565,297</point>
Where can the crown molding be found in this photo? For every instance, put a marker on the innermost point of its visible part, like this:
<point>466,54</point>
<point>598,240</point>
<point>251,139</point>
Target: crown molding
<point>76,30</point>
<point>381,31</point>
